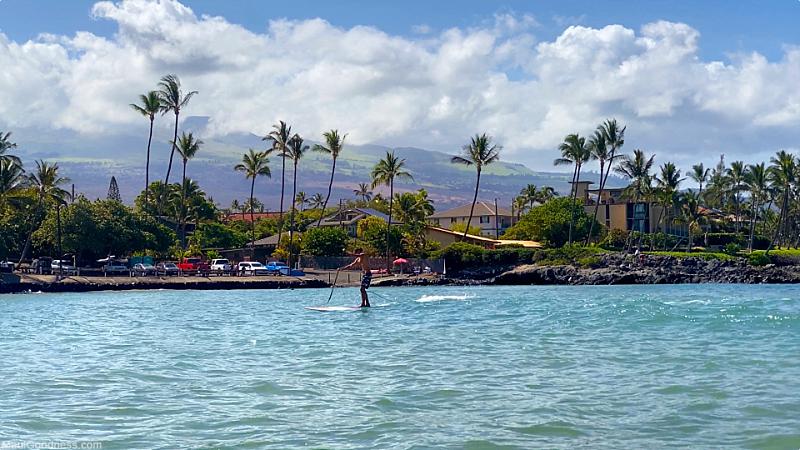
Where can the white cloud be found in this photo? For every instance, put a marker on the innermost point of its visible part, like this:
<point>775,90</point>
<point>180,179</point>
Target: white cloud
<point>432,91</point>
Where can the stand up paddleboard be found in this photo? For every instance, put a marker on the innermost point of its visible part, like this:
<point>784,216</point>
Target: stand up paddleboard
<point>334,308</point>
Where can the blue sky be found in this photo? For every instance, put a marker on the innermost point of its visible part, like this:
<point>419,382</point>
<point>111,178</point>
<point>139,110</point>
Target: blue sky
<point>726,26</point>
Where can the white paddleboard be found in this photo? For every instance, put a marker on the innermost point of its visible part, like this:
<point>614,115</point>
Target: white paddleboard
<point>334,308</point>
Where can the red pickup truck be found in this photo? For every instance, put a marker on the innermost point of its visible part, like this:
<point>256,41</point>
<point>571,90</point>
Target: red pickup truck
<point>192,266</point>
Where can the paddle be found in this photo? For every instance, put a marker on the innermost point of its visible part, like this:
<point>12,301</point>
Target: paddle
<point>333,286</point>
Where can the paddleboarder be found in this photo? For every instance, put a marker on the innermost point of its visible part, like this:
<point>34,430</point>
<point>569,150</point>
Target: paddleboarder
<point>362,261</point>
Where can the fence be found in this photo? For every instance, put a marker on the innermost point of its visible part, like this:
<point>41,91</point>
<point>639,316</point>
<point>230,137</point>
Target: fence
<point>334,262</point>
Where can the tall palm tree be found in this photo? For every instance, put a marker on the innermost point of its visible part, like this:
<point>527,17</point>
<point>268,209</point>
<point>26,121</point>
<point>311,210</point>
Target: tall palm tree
<point>363,193</point>
<point>757,181</point>
<point>150,106</point>
<point>480,152</point>
<point>690,209</point>
<point>736,174</point>
<point>614,138</point>
<point>636,169</point>
<point>301,199</point>
<point>530,195</point>
<point>295,152</point>
<point>599,151</point>
<point>254,164</point>
<point>573,151</point>
<point>46,182</point>
<point>385,172</point>
<point>237,207</point>
<point>783,173</point>
<point>545,194</point>
<point>187,147</point>
<point>280,136</point>
<point>667,184</point>
<point>172,99</point>
<point>5,146</point>
<point>700,176</point>
<point>333,146</point>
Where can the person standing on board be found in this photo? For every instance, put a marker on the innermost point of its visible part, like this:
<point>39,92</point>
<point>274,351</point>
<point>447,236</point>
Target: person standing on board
<point>366,275</point>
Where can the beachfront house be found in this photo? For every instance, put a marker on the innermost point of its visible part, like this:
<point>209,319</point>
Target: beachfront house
<point>492,223</point>
<point>245,216</point>
<point>618,212</point>
<point>348,218</point>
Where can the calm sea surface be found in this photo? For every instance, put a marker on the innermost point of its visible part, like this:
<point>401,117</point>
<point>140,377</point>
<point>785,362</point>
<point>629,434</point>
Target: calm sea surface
<point>703,366</point>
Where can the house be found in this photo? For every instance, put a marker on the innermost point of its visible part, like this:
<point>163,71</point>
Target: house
<point>260,250</point>
<point>492,223</point>
<point>617,212</point>
<point>446,237</point>
<point>245,216</point>
<point>348,219</point>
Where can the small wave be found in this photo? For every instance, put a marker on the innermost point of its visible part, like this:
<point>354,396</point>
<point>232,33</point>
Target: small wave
<point>440,298</point>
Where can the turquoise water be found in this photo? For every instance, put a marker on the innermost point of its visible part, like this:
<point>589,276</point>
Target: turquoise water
<point>476,368</point>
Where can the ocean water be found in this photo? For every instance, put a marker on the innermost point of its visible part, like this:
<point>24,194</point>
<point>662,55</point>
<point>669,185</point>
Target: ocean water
<point>703,366</point>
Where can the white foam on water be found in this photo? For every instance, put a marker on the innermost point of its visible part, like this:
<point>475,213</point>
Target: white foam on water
<point>442,298</point>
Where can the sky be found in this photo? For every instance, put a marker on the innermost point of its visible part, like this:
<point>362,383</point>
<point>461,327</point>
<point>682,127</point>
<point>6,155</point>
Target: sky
<point>691,80</point>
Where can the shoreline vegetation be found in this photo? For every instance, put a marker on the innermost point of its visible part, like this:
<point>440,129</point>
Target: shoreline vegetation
<point>740,226</point>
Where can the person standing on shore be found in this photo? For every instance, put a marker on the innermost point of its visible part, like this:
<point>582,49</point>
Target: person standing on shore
<point>362,261</point>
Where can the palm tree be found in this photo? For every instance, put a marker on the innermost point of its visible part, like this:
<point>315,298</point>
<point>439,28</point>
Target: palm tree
<point>237,207</point>
<point>690,208</point>
<point>6,145</point>
<point>700,175</point>
<point>149,107</point>
<point>545,194</point>
<point>667,183</point>
<point>295,151</point>
<point>529,195</point>
<point>783,173</point>
<point>363,193</point>
<point>12,181</point>
<point>614,138</point>
<point>598,150</point>
<point>301,199</point>
<point>736,175</point>
<point>187,147</point>
<point>637,169</point>
<point>46,182</point>
<point>254,164</point>
<point>757,181</point>
<point>573,151</point>
<point>385,172</point>
<point>479,153</point>
<point>316,201</point>
<point>280,136</point>
<point>333,146</point>
<point>172,98</point>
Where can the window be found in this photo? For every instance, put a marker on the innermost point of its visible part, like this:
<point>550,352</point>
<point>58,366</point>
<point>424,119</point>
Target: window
<point>484,219</point>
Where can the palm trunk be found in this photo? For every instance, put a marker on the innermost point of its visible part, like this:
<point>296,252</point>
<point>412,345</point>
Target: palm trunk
<point>169,166</point>
<point>474,200</point>
<point>597,204</point>
<point>283,180</point>
<point>252,220</point>
<point>753,219</point>
<point>328,197</point>
<point>780,220</point>
<point>574,198</point>
<point>389,225</point>
<point>183,206</point>
<point>291,217</point>
<point>147,167</point>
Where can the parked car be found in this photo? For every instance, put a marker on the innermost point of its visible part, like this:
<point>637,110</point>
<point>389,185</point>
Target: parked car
<point>194,265</point>
<point>65,268</point>
<point>115,268</point>
<point>277,268</point>
<point>220,266</point>
<point>167,269</point>
<point>252,268</point>
<point>144,270</point>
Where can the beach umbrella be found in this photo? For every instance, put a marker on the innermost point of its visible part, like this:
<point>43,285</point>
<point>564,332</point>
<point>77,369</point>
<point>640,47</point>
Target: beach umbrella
<point>400,261</point>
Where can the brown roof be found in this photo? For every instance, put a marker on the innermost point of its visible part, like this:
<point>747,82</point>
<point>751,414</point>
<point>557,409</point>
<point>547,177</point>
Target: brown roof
<point>256,216</point>
<point>481,209</point>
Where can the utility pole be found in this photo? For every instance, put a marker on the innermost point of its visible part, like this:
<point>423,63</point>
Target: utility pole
<point>496,221</point>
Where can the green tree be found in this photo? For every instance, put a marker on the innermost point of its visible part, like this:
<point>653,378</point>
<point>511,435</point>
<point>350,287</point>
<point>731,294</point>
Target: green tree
<point>783,173</point>
<point>550,223</point>
<point>363,192</point>
<point>325,241</point>
<point>700,176</point>
<point>334,143</point>
<point>480,152</point>
<point>217,235</point>
<point>385,172</point>
<point>461,227</point>
<point>757,182</point>
<point>46,183</point>
<point>301,199</point>
<point>736,176</point>
<point>150,105</point>
<point>254,164</point>
<point>12,182</point>
<point>690,214</point>
<point>172,99</point>
<point>5,146</point>
<point>667,185</point>
<point>378,237</point>
<point>280,136</point>
<point>187,147</point>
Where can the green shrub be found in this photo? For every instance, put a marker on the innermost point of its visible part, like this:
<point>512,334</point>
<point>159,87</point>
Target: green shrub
<point>732,249</point>
<point>720,239</point>
<point>549,223</point>
<point>615,239</point>
<point>461,255</point>
<point>758,259</point>
<point>568,254</point>
<point>324,241</point>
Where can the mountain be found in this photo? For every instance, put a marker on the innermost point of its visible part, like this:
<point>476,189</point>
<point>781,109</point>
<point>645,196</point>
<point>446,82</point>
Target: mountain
<point>90,163</point>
